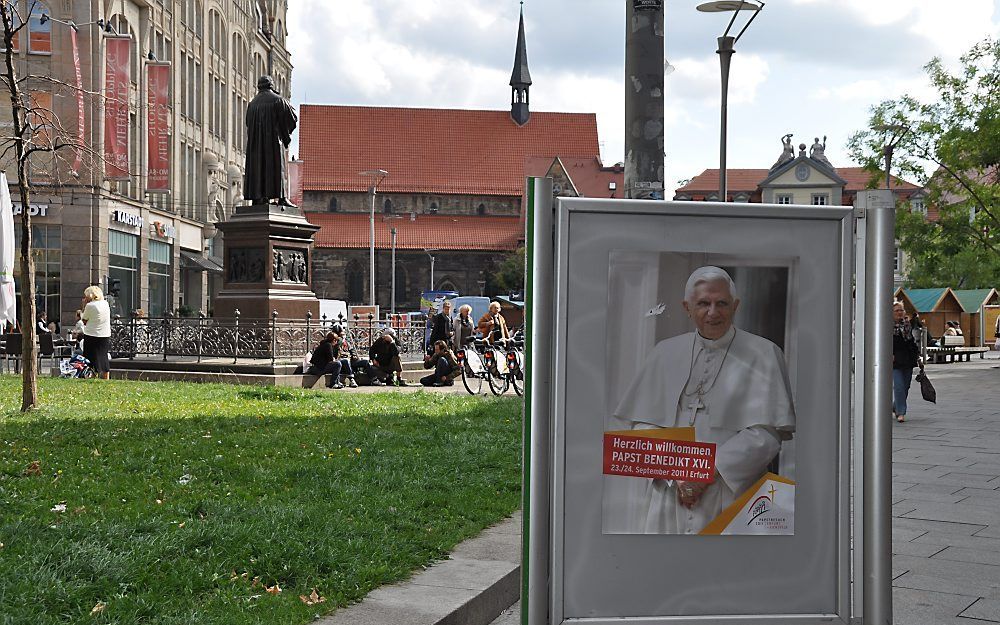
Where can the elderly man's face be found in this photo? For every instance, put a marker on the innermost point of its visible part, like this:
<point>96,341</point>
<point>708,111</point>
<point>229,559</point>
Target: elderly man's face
<point>712,308</point>
<point>898,313</point>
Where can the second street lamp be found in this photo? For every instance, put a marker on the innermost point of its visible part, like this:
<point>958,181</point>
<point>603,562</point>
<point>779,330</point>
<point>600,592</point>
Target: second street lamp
<point>378,175</point>
<point>727,47</point>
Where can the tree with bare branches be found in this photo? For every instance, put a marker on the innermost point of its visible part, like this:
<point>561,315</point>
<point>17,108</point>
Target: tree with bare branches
<point>36,132</point>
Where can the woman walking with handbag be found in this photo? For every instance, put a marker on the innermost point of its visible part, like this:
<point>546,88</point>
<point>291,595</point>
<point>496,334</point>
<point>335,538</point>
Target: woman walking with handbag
<point>905,357</point>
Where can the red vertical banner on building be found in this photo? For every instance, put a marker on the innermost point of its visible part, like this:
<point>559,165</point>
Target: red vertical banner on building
<point>116,85</point>
<point>80,111</point>
<point>157,130</point>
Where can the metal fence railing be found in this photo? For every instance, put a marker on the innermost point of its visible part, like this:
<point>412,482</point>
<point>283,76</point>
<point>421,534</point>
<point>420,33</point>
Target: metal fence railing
<point>264,339</point>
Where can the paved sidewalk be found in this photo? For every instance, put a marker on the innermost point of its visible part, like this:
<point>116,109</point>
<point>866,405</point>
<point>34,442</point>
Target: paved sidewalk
<point>946,500</point>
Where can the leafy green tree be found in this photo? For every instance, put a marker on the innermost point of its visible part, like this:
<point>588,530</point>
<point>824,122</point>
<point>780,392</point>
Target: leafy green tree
<point>509,276</point>
<point>955,137</point>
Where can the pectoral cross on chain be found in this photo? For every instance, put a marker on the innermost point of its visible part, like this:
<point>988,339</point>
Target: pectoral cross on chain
<point>694,406</point>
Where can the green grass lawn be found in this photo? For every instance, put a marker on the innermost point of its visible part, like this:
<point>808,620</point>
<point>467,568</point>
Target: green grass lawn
<point>183,503</point>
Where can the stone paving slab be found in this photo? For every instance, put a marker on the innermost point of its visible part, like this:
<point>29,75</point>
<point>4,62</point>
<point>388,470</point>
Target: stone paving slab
<point>984,610</point>
<point>946,501</point>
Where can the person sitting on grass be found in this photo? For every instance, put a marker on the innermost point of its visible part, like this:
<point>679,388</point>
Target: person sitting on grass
<point>325,360</point>
<point>384,356</point>
<point>445,366</point>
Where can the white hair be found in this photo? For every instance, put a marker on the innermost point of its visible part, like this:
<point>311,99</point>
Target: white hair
<point>708,273</point>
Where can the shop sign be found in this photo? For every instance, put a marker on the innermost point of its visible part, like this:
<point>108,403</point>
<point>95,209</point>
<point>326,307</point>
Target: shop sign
<point>35,210</point>
<point>647,5</point>
<point>162,230</point>
<point>126,219</point>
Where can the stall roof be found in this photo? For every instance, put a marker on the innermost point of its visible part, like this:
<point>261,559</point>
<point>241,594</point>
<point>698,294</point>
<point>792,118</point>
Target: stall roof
<point>973,300</point>
<point>926,300</point>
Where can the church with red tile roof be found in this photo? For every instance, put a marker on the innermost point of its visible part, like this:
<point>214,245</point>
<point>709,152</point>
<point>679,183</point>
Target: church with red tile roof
<point>453,189</point>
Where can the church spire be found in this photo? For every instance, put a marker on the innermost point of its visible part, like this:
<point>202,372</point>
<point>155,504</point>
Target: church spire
<point>520,78</point>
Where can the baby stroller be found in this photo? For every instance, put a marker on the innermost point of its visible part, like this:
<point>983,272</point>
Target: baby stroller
<point>76,367</point>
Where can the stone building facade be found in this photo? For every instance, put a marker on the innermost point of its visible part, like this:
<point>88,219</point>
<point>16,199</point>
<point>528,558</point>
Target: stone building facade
<point>453,190</point>
<point>158,246</point>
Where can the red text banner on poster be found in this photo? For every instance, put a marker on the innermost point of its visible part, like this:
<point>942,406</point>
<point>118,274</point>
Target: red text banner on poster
<point>158,134</point>
<point>81,120</point>
<point>667,454</point>
<point>116,85</point>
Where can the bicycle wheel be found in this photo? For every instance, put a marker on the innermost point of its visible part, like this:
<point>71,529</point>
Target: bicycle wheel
<point>498,382</point>
<point>88,373</point>
<point>517,381</point>
<point>472,372</point>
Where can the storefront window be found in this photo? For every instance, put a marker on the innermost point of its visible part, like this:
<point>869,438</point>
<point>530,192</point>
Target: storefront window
<point>160,278</point>
<point>123,266</point>
<point>46,250</point>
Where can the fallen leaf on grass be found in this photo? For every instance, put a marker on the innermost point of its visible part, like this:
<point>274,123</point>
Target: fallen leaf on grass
<point>312,599</point>
<point>181,525</point>
<point>273,590</point>
<point>97,609</point>
<point>79,509</point>
<point>255,582</point>
<point>185,479</point>
<point>34,469</point>
<point>59,507</point>
<point>95,452</point>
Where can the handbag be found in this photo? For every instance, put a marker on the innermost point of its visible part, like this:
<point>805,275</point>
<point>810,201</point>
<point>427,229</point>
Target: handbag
<point>926,388</point>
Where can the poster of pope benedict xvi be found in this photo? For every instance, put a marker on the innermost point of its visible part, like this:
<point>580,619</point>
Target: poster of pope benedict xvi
<point>699,434</point>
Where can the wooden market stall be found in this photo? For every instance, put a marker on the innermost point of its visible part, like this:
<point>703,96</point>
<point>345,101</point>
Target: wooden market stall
<point>977,328</point>
<point>935,306</point>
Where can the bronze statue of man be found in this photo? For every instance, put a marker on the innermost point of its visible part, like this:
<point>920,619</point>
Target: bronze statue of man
<point>271,120</point>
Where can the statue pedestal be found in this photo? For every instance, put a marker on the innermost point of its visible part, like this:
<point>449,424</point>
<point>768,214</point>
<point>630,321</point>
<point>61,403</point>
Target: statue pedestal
<point>267,264</point>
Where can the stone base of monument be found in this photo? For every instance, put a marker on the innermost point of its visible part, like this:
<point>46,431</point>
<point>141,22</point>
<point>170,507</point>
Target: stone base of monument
<point>266,264</point>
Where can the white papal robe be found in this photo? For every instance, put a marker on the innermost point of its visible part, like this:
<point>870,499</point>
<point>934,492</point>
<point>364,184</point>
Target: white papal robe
<point>747,412</point>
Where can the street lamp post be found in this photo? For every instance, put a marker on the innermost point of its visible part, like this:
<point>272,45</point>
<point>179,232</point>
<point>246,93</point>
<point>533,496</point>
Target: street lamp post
<point>392,307</point>
<point>727,47</point>
<point>428,252</point>
<point>378,175</point>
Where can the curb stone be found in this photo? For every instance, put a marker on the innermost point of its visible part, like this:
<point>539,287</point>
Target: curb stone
<point>479,580</point>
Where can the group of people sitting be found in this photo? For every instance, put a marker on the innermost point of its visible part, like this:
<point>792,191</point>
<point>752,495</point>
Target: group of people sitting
<point>337,357</point>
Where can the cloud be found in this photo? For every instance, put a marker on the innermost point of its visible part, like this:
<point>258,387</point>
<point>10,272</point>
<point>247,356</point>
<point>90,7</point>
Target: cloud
<point>804,66</point>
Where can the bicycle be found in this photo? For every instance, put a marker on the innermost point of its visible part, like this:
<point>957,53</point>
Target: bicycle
<point>77,367</point>
<point>508,371</point>
<point>473,368</point>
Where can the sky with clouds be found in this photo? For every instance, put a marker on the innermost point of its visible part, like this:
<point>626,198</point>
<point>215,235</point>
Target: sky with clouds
<point>809,67</point>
